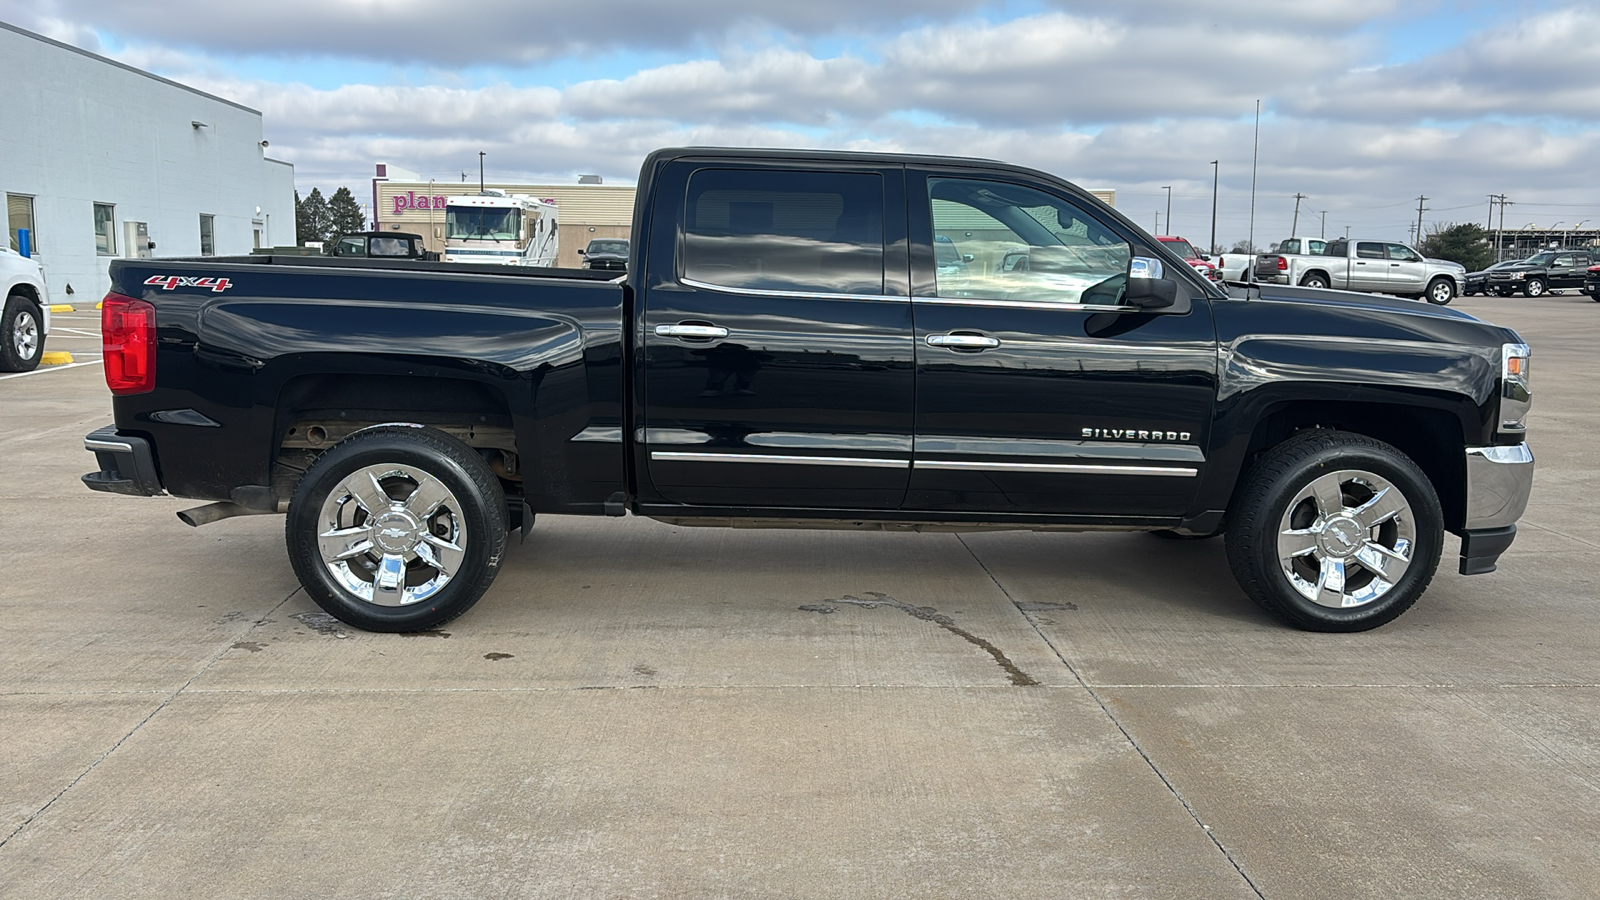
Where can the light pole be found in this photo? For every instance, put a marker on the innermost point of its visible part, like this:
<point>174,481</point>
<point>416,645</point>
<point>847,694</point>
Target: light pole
<point>433,230</point>
<point>1215,174</point>
<point>480,171</point>
<point>1168,189</point>
<point>1563,235</point>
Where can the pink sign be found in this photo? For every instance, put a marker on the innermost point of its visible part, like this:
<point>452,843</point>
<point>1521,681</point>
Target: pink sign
<point>410,200</point>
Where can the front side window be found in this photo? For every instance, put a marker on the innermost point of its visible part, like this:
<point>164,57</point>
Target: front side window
<point>808,232</point>
<point>1403,253</point>
<point>1018,243</point>
<point>105,236</point>
<point>208,236</point>
<point>19,211</point>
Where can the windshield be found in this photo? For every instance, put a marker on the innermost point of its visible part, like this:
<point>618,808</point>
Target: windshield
<point>608,247</point>
<point>1182,248</point>
<point>482,223</point>
<point>1540,259</point>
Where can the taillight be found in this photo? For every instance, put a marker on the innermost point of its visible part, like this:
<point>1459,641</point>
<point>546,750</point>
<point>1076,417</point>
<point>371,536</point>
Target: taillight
<point>1283,264</point>
<point>128,339</point>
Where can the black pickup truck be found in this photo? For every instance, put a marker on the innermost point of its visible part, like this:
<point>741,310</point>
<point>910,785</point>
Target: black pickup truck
<point>1547,270</point>
<point>786,350</point>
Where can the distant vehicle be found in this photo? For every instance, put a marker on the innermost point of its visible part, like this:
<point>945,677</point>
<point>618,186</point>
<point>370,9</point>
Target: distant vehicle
<point>1201,261</point>
<point>1591,283</point>
<point>1478,282</point>
<point>606,253</point>
<point>1551,270</point>
<point>24,313</point>
<point>497,228</point>
<point>1377,267</point>
<point>382,245</point>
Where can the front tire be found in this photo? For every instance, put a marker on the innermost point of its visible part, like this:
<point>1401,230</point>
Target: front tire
<point>1335,532</point>
<point>21,335</point>
<point>397,529</point>
<point>1535,287</point>
<point>1441,292</point>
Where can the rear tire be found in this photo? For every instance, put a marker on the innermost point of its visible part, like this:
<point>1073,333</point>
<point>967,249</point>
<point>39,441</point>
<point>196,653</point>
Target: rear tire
<point>1335,532</point>
<point>397,529</point>
<point>21,335</point>
<point>1314,280</point>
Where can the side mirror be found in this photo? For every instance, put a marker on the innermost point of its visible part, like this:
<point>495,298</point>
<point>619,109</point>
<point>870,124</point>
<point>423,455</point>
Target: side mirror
<point>967,257</point>
<point>581,253</point>
<point>1148,288</point>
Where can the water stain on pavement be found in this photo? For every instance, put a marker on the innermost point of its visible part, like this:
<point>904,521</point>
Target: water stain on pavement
<point>321,623</point>
<point>252,646</point>
<point>875,599</point>
<point>498,656</point>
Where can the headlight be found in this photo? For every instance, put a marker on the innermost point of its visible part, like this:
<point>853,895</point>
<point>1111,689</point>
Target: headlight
<point>1516,392</point>
<point>1519,274</point>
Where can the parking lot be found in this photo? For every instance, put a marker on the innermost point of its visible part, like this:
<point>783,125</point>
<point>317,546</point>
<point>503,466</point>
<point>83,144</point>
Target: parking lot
<point>640,710</point>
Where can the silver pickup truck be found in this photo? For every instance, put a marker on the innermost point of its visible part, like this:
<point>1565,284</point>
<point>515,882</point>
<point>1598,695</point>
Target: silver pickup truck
<point>1378,267</point>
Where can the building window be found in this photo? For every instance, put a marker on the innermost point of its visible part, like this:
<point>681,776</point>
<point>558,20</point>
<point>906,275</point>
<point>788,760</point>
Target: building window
<point>105,225</point>
<point>19,211</point>
<point>208,236</point>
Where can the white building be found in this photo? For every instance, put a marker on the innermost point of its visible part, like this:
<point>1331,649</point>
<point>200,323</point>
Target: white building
<point>100,160</point>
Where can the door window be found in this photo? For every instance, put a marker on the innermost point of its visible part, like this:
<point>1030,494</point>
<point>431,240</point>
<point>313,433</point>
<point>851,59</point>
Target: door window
<point>350,246</point>
<point>1369,250</point>
<point>1403,253</point>
<point>794,231</point>
<point>1015,242</point>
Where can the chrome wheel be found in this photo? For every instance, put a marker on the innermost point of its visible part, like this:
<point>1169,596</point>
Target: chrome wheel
<point>1346,539</point>
<point>392,534</point>
<point>25,336</point>
<point>1441,293</point>
<point>1534,288</point>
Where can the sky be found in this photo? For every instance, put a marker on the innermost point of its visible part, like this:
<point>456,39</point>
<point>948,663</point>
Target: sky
<point>1365,105</point>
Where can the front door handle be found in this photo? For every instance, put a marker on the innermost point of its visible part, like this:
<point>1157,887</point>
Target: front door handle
<point>692,332</point>
<point>958,341</point>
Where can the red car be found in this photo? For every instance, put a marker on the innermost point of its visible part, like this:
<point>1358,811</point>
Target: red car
<point>1183,248</point>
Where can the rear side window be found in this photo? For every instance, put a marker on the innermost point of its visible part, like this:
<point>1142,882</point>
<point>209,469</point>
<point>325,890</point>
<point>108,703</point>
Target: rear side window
<point>808,232</point>
<point>1369,250</point>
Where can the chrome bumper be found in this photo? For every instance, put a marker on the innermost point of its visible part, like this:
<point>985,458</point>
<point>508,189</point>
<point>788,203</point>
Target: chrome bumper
<point>1499,480</point>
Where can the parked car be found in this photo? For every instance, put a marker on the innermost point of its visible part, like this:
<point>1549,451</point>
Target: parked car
<point>381,245</point>
<point>784,353</point>
<point>1201,261</point>
<point>1591,283</point>
<point>1549,270</point>
<point>1379,267</point>
<point>610,254</point>
<point>1478,282</point>
<point>25,312</point>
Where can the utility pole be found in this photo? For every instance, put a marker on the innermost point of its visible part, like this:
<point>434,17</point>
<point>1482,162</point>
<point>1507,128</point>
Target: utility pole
<point>1420,208</point>
<point>1255,157</point>
<point>1294,228</point>
<point>1168,189</point>
<point>1502,202</point>
<point>1215,174</point>
<point>480,171</point>
<point>1158,222</point>
<point>1323,231</point>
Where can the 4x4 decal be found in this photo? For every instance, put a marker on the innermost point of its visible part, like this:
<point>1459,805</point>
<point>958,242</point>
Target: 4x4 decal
<point>170,282</point>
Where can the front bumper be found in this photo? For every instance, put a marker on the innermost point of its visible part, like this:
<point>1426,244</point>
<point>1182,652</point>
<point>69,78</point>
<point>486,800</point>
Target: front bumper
<point>126,464</point>
<point>1499,482</point>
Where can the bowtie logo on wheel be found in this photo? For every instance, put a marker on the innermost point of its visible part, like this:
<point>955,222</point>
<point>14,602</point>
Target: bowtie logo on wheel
<point>172,282</point>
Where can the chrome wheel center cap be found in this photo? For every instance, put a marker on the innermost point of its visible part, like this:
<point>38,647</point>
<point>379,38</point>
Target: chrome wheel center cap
<point>1342,536</point>
<point>396,531</point>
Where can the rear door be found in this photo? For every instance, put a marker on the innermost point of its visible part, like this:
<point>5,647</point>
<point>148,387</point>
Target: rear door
<point>1037,391</point>
<point>778,364</point>
<point>1369,268</point>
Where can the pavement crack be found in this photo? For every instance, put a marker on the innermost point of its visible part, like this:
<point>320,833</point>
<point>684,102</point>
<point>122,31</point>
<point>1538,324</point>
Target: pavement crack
<point>21,826</point>
<point>876,599</point>
<point>1117,723</point>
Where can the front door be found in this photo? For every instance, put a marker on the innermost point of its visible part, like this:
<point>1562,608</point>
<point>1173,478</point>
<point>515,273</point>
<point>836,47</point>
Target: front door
<point>778,364</point>
<point>1408,274</point>
<point>1038,392</point>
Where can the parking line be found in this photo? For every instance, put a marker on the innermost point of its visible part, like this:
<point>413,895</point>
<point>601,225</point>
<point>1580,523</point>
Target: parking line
<point>41,371</point>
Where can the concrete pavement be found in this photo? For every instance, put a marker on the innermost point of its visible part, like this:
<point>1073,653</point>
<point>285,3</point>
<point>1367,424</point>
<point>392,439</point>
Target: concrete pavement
<point>639,710</point>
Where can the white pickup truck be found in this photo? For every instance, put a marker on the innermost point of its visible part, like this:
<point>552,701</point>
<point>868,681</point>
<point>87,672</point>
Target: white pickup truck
<point>24,312</point>
<point>1378,267</point>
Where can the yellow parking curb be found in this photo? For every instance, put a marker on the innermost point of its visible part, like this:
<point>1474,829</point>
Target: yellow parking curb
<point>55,357</point>
<point>98,305</point>
<point>61,307</point>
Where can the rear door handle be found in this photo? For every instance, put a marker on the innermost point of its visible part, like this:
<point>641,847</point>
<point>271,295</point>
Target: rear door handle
<point>963,341</point>
<point>692,332</point>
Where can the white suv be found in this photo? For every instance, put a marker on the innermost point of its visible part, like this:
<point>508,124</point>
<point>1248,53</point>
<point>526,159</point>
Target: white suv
<point>25,317</point>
